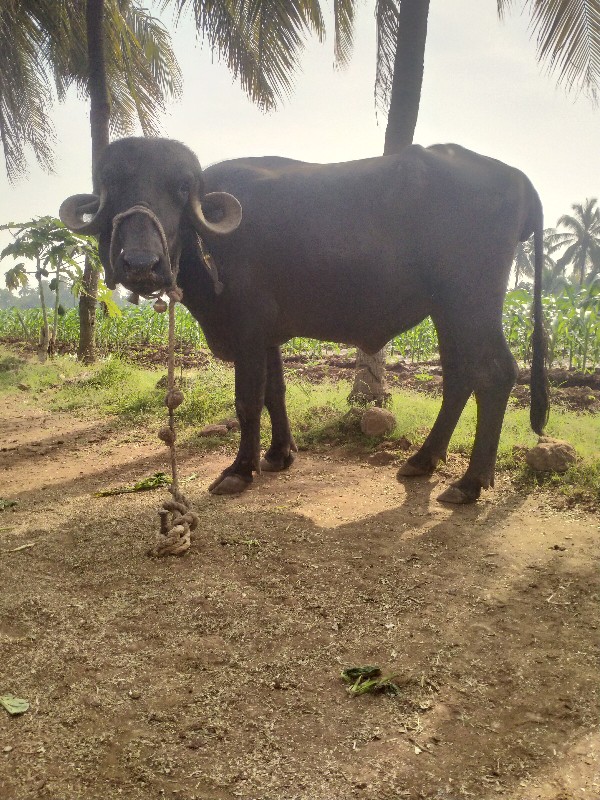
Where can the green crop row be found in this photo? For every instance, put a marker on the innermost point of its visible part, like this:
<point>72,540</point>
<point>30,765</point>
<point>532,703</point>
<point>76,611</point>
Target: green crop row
<point>572,323</point>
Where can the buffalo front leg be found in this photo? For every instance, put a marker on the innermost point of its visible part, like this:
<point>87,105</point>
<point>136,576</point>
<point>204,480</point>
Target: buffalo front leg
<point>250,379</point>
<point>280,454</point>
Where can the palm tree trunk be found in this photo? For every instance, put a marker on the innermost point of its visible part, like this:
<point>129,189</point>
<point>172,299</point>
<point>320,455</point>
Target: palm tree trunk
<point>408,75</point>
<point>99,124</point>
<point>369,376</point>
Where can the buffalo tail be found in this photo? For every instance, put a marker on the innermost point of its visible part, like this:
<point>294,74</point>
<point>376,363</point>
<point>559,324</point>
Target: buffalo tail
<point>540,395</point>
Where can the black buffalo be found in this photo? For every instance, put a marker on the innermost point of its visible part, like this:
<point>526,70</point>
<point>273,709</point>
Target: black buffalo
<point>354,252</point>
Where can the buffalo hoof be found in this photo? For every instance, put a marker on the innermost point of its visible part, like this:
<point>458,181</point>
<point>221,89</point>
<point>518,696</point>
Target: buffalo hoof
<point>230,484</point>
<point>408,470</point>
<point>276,465</point>
<point>455,495</point>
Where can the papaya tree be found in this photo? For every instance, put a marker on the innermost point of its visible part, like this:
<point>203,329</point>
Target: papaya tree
<point>50,249</point>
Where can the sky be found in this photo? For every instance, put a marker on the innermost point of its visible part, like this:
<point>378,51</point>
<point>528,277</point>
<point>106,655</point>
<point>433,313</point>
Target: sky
<point>483,88</point>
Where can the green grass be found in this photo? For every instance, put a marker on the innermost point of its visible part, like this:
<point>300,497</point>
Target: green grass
<point>319,413</point>
<point>15,371</point>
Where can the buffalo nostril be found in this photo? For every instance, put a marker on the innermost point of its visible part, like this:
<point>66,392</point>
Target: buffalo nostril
<point>141,261</point>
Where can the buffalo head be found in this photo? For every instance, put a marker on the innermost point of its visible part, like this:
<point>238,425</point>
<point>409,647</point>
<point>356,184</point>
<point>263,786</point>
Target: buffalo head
<point>148,189</point>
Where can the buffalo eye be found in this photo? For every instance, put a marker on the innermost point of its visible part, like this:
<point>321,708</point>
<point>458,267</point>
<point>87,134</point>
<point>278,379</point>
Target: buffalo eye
<point>183,190</point>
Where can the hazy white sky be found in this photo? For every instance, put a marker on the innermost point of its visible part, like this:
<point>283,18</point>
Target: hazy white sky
<point>483,88</point>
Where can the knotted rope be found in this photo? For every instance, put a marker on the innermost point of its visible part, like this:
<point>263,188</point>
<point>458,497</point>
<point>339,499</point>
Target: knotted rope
<point>177,520</point>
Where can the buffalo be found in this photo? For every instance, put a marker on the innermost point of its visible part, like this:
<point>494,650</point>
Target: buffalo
<point>265,249</point>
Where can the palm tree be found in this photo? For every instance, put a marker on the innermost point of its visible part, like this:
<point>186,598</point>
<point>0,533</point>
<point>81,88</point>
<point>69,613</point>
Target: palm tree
<point>44,42</point>
<point>68,39</point>
<point>567,38</point>
<point>523,264</point>
<point>568,42</point>
<point>582,240</point>
<point>260,43</point>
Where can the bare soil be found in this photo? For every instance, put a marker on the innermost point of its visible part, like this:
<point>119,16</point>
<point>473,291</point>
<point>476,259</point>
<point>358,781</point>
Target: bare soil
<point>216,675</point>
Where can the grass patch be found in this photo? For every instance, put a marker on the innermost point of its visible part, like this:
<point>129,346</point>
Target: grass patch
<point>209,396</point>
<point>18,374</point>
<point>111,387</point>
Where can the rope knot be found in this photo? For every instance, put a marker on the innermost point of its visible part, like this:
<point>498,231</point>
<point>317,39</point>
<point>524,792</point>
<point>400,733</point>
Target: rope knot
<point>177,524</point>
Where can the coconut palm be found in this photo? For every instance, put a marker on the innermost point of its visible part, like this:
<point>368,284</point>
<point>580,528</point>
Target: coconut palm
<point>581,240</point>
<point>524,261</point>
<point>44,42</point>
<point>567,37</point>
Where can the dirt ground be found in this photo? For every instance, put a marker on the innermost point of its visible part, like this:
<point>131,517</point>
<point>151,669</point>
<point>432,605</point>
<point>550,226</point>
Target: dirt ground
<point>216,675</point>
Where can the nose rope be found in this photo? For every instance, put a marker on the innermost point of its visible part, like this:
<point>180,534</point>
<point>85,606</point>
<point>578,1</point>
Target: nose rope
<point>114,242</point>
<point>207,259</point>
<point>177,520</point>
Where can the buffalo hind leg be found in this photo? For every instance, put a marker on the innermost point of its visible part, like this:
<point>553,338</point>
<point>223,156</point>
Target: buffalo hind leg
<point>456,391</point>
<point>280,454</point>
<point>250,379</point>
<point>495,377</point>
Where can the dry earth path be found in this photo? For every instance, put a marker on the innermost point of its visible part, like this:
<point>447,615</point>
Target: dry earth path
<point>215,676</point>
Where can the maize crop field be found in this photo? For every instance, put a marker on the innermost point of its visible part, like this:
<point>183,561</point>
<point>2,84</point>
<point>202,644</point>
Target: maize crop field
<point>572,322</point>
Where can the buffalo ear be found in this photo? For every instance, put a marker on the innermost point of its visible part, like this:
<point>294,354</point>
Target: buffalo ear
<point>223,205</point>
<point>83,213</point>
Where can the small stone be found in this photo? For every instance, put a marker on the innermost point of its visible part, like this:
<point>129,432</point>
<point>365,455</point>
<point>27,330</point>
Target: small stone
<point>135,694</point>
<point>231,423</point>
<point>7,749</point>
<point>214,430</point>
<point>381,459</point>
<point>551,455</point>
<point>377,422</point>
<point>195,744</point>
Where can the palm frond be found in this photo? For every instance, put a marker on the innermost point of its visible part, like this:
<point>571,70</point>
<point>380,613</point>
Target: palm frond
<point>343,12</point>
<point>259,40</point>
<point>568,40</point>
<point>386,16</point>
<point>24,94</point>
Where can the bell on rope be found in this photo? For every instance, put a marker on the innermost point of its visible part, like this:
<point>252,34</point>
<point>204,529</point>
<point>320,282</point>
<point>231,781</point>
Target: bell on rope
<point>174,399</point>
<point>167,436</point>
<point>160,306</point>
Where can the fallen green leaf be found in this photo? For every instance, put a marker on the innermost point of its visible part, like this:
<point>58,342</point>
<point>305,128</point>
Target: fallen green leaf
<point>4,504</point>
<point>14,705</point>
<point>353,674</point>
<point>155,481</point>
<point>368,680</point>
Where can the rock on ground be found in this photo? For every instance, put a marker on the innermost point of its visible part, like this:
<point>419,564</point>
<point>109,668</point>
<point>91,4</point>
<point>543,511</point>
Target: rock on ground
<point>377,422</point>
<point>551,455</point>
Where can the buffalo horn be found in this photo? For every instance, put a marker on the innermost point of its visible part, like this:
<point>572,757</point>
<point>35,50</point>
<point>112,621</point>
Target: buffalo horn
<point>74,208</point>
<point>225,203</point>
